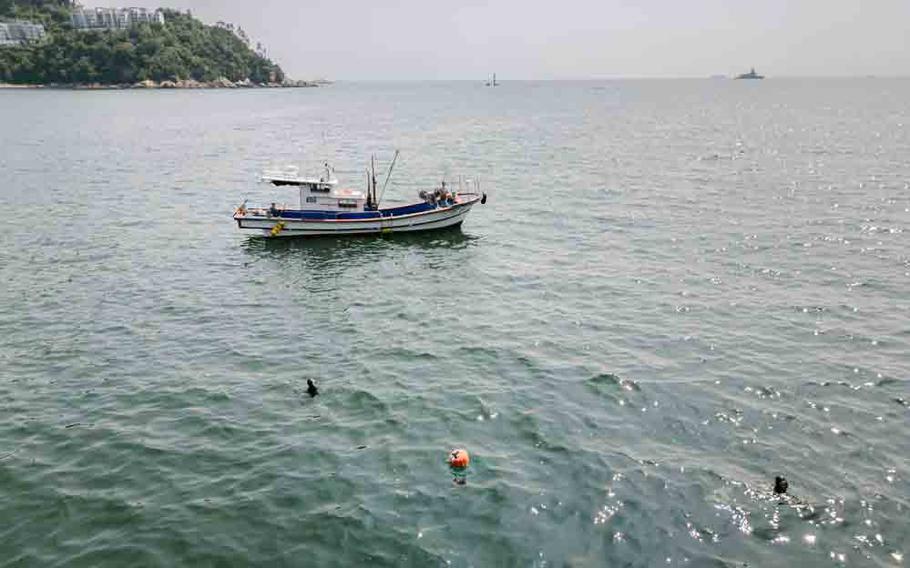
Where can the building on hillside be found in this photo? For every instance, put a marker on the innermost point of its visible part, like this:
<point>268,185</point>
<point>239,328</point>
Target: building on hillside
<point>88,19</point>
<point>18,32</point>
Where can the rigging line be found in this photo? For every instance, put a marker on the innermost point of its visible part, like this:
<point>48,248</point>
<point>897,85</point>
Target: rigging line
<point>387,178</point>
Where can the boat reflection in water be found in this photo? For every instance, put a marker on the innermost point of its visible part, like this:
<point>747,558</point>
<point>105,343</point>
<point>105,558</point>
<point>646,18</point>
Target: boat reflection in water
<point>450,238</point>
<point>331,256</point>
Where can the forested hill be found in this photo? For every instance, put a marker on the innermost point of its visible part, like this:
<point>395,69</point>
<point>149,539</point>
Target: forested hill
<point>182,49</point>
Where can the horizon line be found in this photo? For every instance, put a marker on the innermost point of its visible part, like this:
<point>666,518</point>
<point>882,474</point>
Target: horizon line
<point>608,78</point>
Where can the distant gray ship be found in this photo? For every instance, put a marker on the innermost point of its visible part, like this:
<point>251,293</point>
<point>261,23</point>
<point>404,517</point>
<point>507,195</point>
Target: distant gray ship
<point>750,75</point>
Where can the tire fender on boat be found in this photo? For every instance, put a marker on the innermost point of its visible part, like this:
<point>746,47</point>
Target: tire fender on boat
<point>483,199</point>
<point>279,226</point>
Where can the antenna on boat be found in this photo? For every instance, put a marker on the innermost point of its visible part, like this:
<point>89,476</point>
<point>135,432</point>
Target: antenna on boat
<point>387,178</point>
<point>325,144</point>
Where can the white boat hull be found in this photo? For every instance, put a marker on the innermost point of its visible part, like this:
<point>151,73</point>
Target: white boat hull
<point>278,227</point>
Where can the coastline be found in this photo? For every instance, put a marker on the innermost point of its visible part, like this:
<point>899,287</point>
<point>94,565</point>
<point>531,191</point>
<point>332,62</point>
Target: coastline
<point>182,84</point>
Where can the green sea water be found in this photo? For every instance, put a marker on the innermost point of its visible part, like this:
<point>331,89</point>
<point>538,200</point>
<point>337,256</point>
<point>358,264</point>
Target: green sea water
<point>676,291</point>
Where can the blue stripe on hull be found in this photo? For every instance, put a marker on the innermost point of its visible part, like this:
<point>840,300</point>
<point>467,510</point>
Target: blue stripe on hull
<point>390,212</point>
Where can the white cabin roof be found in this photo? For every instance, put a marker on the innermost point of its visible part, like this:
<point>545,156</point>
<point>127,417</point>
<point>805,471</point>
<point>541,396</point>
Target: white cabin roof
<point>290,175</point>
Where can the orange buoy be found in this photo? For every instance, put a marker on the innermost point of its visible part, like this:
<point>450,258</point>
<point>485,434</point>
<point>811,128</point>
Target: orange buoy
<point>459,458</point>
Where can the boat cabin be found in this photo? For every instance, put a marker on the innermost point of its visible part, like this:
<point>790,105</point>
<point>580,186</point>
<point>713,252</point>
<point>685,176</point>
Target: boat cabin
<point>318,194</point>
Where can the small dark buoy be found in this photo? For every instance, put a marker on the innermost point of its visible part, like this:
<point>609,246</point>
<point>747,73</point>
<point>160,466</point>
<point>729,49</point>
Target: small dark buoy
<point>780,485</point>
<point>483,199</point>
<point>311,388</point>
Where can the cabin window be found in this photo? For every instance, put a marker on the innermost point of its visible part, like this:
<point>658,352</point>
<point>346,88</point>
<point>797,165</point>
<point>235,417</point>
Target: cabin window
<point>347,203</point>
<point>320,188</point>
<point>311,200</point>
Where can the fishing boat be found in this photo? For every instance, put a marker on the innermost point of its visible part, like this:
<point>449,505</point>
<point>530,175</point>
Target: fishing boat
<point>325,208</point>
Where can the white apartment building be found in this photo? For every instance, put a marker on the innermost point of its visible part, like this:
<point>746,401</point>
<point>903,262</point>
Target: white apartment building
<point>19,32</point>
<point>88,19</point>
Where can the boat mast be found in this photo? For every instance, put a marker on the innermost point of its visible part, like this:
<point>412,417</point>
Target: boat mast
<point>373,179</point>
<point>369,203</point>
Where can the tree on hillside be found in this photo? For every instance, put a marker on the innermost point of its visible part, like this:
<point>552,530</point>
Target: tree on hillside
<point>182,48</point>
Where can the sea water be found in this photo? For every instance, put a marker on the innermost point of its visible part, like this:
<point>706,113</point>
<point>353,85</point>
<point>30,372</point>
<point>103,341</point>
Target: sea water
<point>676,291</point>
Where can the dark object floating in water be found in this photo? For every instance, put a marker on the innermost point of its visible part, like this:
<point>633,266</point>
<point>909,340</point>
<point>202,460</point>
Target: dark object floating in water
<point>750,75</point>
<point>311,388</point>
<point>780,485</point>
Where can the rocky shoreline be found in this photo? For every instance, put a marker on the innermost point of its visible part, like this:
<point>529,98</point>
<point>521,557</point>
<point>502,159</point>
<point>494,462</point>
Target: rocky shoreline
<point>221,83</point>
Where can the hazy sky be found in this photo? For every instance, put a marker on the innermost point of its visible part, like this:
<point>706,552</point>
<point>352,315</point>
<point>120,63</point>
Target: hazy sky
<point>534,39</point>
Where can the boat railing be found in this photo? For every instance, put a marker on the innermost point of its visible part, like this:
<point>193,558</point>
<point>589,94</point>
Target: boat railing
<point>289,174</point>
